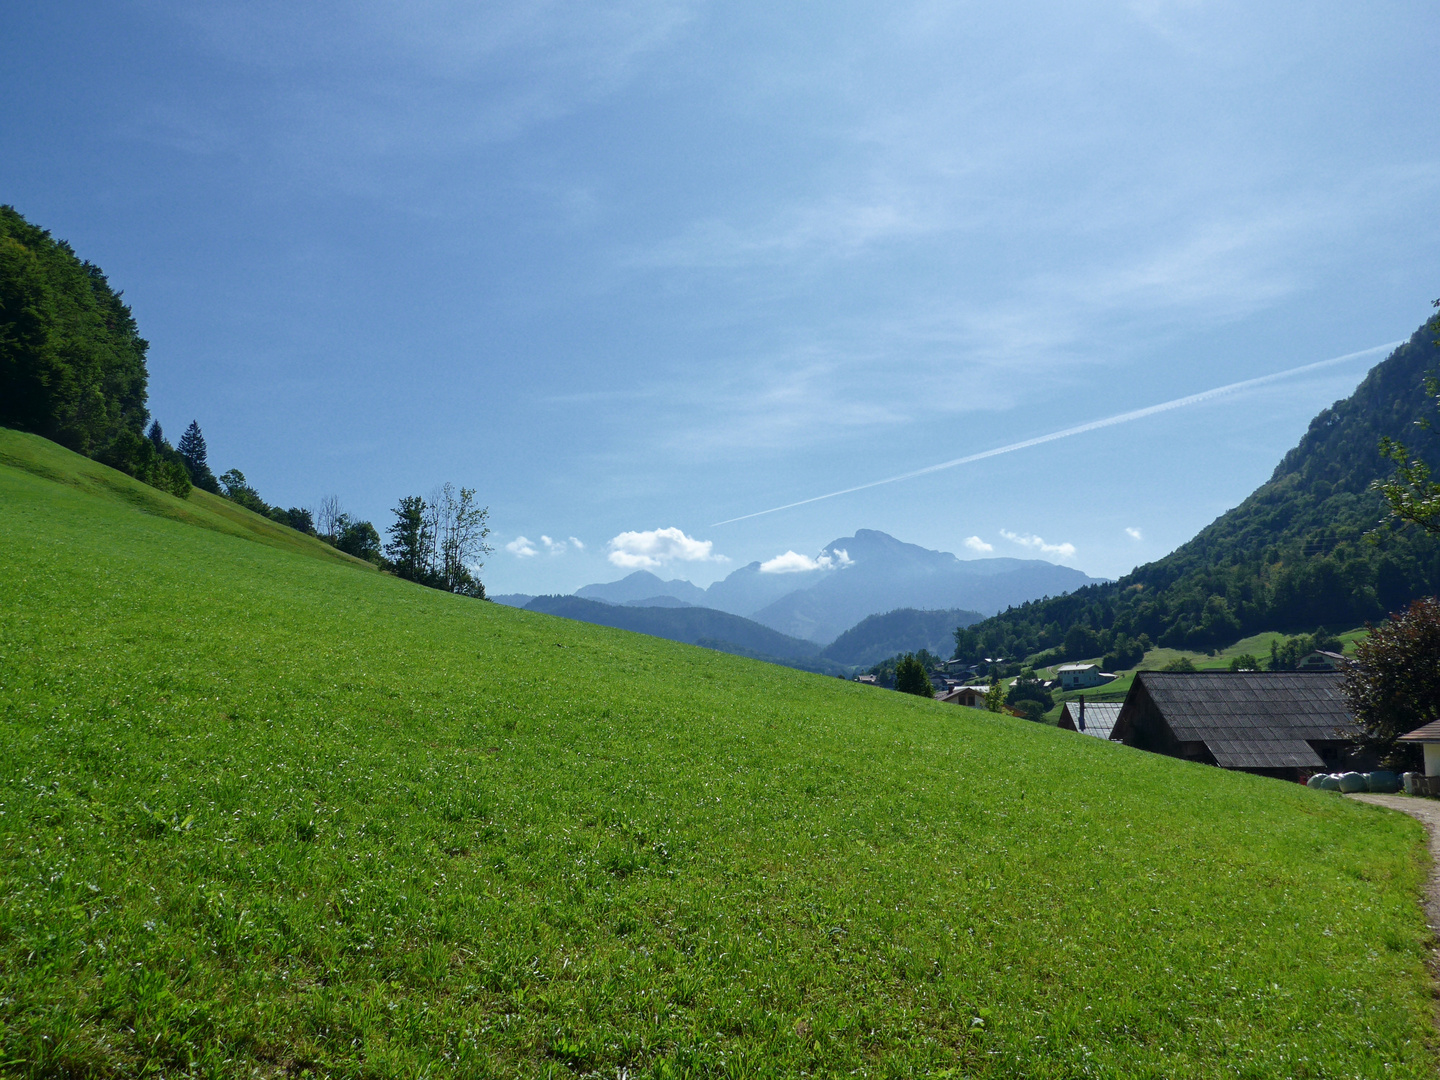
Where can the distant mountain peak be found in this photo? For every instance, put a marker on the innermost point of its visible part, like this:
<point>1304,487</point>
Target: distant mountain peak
<point>870,572</point>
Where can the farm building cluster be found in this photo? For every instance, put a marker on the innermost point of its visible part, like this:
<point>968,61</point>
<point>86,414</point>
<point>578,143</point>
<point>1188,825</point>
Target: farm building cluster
<point>1290,725</point>
<point>1284,724</point>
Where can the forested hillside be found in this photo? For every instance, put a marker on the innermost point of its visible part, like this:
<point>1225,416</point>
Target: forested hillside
<point>1307,548</point>
<point>905,630</point>
<point>72,362</point>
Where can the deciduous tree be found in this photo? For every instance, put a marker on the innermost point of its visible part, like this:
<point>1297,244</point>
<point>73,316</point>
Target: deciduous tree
<point>1393,683</point>
<point>358,538</point>
<point>460,529</point>
<point>911,677</point>
<point>238,490</point>
<point>995,696</point>
<point>328,517</point>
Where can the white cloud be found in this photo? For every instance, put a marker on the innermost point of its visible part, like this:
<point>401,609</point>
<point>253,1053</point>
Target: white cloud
<point>792,562</point>
<point>1064,551</point>
<point>521,548</point>
<point>654,547</point>
<point>1134,534</point>
<point>974,543</point>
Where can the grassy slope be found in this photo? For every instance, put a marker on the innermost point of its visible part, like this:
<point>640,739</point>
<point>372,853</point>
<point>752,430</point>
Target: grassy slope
<point>31,453</point>
<point>260,809</point>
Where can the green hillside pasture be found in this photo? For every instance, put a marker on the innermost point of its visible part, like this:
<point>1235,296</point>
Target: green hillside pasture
<point>261,813</point>
<point>31,453</point>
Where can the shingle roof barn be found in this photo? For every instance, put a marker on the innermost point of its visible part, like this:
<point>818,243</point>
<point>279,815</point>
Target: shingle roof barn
<point>1098,717</point>
<point>1276,723</point>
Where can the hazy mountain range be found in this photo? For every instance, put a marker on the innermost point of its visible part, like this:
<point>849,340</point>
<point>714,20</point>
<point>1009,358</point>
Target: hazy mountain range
<point>870,573</point>
<point>867,574</point>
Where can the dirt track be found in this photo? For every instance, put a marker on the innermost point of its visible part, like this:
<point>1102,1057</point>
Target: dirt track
<point>1427,811</point>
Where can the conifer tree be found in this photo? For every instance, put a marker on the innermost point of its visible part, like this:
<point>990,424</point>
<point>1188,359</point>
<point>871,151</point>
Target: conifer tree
<point>411,550</point>
<point>192,449</point>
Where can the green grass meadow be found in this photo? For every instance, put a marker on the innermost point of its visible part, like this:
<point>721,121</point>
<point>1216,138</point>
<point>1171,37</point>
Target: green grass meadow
<point>264,811</point>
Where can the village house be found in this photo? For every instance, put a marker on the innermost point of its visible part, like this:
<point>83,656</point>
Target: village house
<point>1093,718</point>
<point>973,696</point>
<point>1285,724</point>
<point>1321,660</point>
<point>1080,676</point>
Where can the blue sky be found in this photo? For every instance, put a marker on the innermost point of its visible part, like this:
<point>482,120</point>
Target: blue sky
<point>653,265</point>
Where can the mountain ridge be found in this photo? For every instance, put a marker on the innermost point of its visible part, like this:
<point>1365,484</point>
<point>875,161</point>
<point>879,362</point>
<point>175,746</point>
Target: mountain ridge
<point>904,630</point>
<point>713,629</point>
<point>1306,548</point>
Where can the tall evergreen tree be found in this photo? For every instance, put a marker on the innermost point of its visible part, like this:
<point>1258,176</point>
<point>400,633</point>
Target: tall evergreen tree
<point>411,550</point>
<point>192,449</point>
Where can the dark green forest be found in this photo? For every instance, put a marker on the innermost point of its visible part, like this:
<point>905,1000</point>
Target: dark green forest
<point>72,361</point>
<point>1312,546</point>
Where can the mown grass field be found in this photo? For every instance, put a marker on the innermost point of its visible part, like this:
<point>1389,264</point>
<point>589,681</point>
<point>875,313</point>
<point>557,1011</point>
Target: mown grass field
<point>265,812</point>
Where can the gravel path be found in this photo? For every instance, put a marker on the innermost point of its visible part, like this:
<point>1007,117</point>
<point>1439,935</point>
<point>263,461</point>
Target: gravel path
<point>1427,811</point>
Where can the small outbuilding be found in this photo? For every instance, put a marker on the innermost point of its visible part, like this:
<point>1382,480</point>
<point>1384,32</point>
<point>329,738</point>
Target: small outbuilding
<point>1429,739</point>
<point>1285,724</point>
<point>1091,717</point>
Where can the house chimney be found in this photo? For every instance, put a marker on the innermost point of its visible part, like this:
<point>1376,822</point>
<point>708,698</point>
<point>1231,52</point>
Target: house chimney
<point>1082,712</point>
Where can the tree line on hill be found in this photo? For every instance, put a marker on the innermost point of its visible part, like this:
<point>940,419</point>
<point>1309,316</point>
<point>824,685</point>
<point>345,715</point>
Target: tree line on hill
<point>72,369</point>
<point>437,542</point>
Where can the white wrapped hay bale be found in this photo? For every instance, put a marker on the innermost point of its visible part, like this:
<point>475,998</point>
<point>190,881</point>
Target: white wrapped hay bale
<point>1353,781</point>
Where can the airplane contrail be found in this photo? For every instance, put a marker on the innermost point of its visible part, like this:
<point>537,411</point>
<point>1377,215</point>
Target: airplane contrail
<point>1094,425</point>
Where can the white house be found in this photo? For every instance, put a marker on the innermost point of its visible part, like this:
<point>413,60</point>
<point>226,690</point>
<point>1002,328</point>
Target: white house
<point>1079,676</point>
<point>1321,660</point>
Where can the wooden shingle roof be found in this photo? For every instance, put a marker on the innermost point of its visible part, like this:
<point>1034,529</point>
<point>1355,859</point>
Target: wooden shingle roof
<point>1250,719</point>
<point>1429,733</point>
